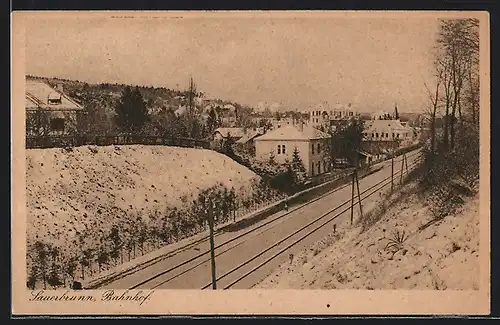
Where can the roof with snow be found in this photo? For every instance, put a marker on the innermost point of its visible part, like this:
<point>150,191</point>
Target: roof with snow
<point>291,132</point>
<point>379,124</point>
<point>234,132</point>
<point>38,94</point>
<point>249,136</point>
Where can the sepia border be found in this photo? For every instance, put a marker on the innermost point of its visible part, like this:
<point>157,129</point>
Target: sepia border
<point>278,302</point>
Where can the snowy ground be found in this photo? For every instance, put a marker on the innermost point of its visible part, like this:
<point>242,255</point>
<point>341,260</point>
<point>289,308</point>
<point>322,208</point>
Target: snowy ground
<point>91,188</point>
<point>441,256</point>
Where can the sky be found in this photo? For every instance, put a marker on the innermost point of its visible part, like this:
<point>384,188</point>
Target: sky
<point>289,62</point>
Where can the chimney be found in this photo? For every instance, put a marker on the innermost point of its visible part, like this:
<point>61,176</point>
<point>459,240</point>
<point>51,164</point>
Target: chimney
<point>60,87</point>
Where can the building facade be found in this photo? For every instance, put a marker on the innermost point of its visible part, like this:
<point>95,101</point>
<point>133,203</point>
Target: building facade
<point>324,116</point>
<point>312,145</point>
<point>50,112</point>
<point>386,135</point>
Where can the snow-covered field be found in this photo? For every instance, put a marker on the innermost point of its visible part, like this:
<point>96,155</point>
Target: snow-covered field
<point>442,256</point>
<point>89,189</point>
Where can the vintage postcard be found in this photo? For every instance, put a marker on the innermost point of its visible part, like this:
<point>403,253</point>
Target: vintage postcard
<point>300,162</point>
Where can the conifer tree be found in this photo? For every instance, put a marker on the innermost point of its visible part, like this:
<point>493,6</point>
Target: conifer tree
<point>131,111</point>
<point>298,169</point>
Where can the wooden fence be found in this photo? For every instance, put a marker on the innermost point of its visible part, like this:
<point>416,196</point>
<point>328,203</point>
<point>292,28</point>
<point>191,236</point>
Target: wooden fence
<point>33,142</point>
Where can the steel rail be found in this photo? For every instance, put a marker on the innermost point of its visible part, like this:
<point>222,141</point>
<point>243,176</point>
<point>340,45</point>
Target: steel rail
<point>287,214</point>
<point>312,222</point>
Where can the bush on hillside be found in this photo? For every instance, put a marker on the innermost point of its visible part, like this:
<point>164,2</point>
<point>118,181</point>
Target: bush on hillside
<point>450,174</point>
<point>95,249</point>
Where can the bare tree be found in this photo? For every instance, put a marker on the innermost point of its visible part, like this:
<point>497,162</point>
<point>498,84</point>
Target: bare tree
<point>458,42</point>
<point>434,99</point>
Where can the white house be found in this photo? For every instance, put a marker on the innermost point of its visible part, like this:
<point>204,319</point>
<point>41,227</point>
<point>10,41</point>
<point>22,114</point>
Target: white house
<point>323,114</point>
<point>388,131</point>
<point>49,111</point>
<point>311,143</point>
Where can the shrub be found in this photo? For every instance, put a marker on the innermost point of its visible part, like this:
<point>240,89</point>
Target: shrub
<point>450,174</point>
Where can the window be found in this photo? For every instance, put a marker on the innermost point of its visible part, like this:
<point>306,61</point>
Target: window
<point>57,124</point>
<point>387,135</point>
<point>279,149</point>
<point>312,149</point>
<point>312,168</point>
<point>381,135</point>
<point>373,135</point>
<point>376,134</point>
<point>350,114</point>
<point>393,135</point>
<point>397,135</point>
<point>319,167</point>
<point>283,149</point>
<point>319,148</point>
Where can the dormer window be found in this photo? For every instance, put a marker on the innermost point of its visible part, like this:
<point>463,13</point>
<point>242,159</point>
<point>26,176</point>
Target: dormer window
<point>54,99</point>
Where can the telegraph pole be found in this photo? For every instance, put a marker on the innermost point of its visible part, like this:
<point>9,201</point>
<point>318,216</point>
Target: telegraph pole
<point>402,169</point>
<point>359,195</point>
<point>212,244</point>
<point>352,197</point>
<point>392,172</point>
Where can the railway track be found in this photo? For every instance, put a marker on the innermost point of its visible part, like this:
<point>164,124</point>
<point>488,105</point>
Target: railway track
<point>240,276</point>
<point>243,271</point>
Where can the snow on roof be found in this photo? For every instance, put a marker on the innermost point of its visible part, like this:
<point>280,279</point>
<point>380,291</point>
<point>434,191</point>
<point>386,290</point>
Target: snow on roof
<point>249,136</point>
<point>378,124</point>
<point>235,132</point>
<point>291,132</point>
<point>38,93</point>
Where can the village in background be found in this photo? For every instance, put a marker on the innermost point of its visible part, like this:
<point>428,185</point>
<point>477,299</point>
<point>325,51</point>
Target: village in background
<point>64,113</point>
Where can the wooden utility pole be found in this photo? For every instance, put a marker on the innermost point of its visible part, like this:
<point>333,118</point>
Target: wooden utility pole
<point>234,211</point>
<point>359,194</point>
<point>392,172</point>
<point>352,198</point>
<point>406,165</point>
<point>212,244</point>
<point>402,169</point>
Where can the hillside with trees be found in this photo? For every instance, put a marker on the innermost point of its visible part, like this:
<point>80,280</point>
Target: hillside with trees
<point>178,113</point>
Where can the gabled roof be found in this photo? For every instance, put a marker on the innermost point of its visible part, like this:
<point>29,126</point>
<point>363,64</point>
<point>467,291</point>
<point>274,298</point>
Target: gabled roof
<point>291,132</point>
<point>249,136</point>
<point>234,132</point>
<point>38,93</point>
<point>392,124</point>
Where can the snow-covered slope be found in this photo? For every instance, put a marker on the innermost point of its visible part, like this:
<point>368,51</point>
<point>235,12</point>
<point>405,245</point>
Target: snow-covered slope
<point>95,187</point>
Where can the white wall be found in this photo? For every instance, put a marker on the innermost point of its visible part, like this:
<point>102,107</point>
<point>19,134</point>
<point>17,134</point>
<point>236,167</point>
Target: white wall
<point>263,149</point>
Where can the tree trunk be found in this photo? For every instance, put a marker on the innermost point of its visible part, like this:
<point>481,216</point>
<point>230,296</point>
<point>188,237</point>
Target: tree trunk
<point>446,116</point>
